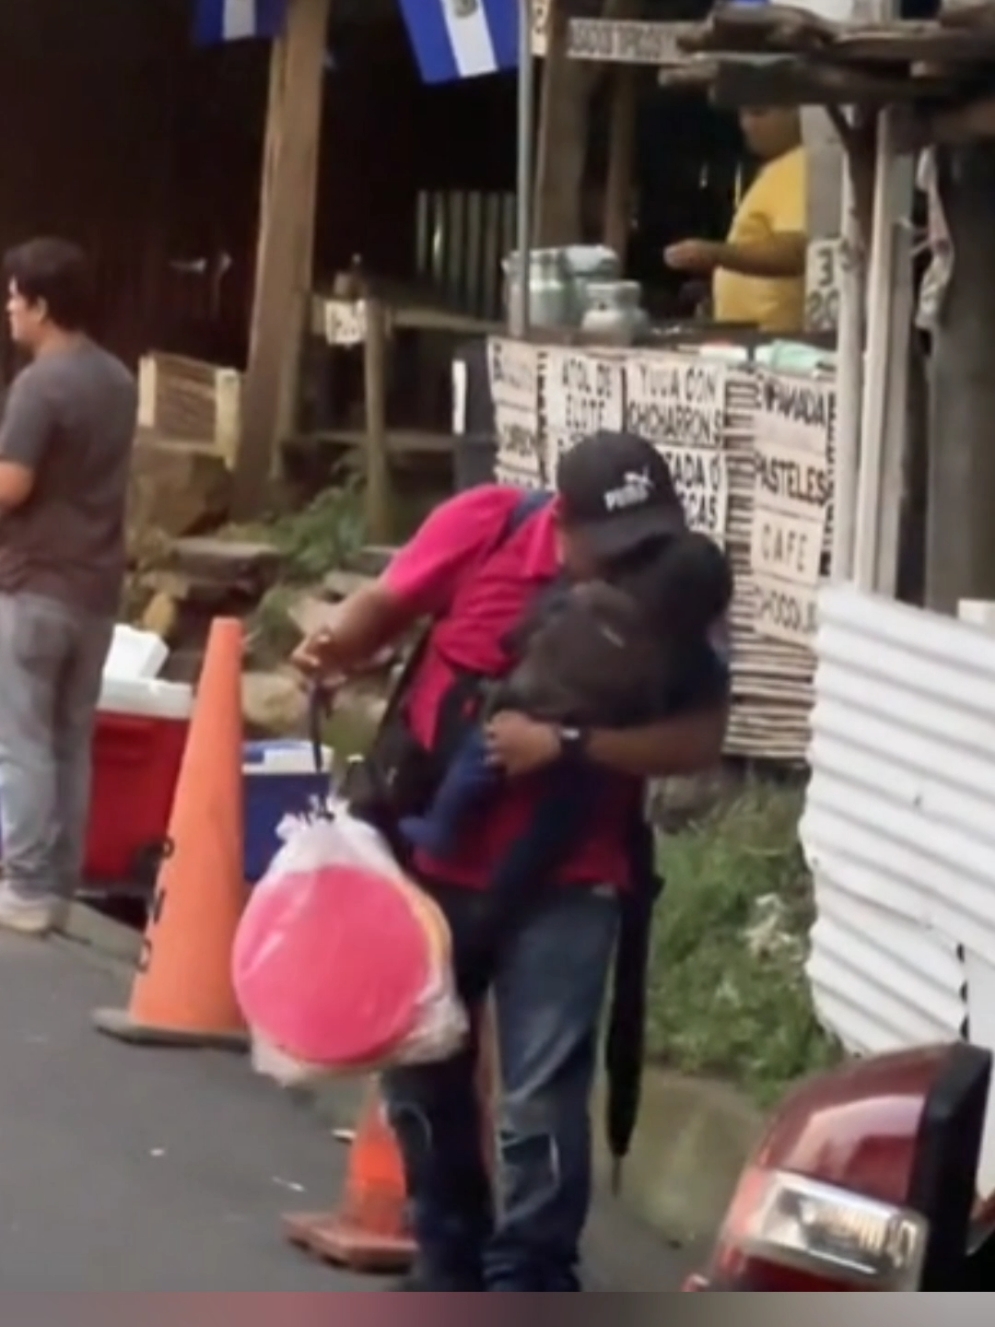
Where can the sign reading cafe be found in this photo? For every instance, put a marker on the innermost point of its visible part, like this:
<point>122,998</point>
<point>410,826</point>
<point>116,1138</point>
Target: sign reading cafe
<point>792,496</point>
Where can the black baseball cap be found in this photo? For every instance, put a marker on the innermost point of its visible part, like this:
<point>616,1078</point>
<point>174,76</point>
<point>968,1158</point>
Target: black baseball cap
<point>617,490</point>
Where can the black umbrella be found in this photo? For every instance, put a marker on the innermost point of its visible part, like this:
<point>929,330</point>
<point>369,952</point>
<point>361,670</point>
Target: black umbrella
<point>626,1045</point>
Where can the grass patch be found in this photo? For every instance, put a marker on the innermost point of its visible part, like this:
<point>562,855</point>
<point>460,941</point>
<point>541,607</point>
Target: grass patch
<point>728,991</point>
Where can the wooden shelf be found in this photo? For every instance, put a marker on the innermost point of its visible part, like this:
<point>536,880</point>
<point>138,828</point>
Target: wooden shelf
<point>397,442</point>
<point>370,323</point>
<point>343,323</point>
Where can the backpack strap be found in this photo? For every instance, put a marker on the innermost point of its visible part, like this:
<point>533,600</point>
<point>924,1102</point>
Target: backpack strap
<point>527,506</point>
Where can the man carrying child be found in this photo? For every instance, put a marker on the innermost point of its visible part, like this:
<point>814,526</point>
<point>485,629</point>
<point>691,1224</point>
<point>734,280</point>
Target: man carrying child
<point>477,567</point>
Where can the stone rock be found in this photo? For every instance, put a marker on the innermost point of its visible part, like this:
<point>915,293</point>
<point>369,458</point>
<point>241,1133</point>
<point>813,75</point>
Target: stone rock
<point>236,564</point>
<point>177,487</point>
<point>273,705</point>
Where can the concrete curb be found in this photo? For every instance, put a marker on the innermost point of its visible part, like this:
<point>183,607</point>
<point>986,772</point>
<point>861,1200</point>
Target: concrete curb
<point>693,1139</point>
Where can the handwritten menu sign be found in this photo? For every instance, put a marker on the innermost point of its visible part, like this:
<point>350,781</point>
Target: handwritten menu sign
<point>822,285</point>
<point>797,412</point>
<point>702,480</point>
<point>584,393</point>
<point>792,498</point>
<point>679,403</point>
<point>676,400</point>
<point>514,370</point>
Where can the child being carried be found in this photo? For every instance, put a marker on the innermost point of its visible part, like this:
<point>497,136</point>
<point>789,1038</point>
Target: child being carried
<point>607,653</point>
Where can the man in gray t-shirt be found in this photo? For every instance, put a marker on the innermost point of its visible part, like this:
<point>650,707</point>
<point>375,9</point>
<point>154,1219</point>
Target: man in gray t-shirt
<point>65,448</point>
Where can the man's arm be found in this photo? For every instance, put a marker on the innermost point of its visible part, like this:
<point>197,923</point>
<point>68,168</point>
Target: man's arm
<point>779,254</point>
<point>25,433</point>
<point>367,621</point>
<point>774,256</point>
<point>685,744</point>
<point>418,583</point>
<point>689,741</point>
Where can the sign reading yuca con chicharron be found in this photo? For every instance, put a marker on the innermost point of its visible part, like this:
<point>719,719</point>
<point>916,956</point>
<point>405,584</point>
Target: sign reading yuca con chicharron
<point>675,400</point>
<point>678,403</point>
<point>583,393</point>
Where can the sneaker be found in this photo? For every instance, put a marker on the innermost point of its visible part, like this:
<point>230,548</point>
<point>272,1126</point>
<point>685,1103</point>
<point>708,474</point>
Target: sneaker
<point>38,917</point>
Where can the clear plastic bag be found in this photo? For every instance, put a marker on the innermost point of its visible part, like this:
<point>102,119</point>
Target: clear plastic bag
<point>342,964</point>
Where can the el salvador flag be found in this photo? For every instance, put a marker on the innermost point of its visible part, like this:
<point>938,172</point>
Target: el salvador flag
<point>236,20</point>
<point>455,39</point>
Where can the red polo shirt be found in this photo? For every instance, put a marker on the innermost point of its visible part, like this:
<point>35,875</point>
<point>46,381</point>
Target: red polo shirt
<point>476,585</point>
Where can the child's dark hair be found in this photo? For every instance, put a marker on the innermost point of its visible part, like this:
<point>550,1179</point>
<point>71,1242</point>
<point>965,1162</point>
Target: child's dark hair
<point>685,583</point>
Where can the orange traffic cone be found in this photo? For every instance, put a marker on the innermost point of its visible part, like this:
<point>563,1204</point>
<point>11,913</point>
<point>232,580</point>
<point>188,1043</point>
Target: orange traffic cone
<point>369,1232</point>
<point>182,993</point>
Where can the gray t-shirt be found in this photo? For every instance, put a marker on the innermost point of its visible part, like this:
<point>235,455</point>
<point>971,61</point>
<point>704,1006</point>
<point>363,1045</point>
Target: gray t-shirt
<point>71,418</point>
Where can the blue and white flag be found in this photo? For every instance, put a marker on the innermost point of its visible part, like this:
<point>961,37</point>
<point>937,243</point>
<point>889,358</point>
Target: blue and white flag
<point>238,20</point>
<point>455,39</point>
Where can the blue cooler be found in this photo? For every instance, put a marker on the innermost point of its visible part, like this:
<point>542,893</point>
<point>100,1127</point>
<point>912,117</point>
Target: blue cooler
<point>279,779</point>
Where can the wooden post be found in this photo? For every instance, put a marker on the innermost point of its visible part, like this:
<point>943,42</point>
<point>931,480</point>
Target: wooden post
<point>621,162</point>
<point>561,144</point>
<point>285,249</point>
<point>960,546</point>
<point>377,467</point>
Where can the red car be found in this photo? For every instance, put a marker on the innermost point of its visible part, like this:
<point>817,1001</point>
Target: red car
<point>866,1180</point>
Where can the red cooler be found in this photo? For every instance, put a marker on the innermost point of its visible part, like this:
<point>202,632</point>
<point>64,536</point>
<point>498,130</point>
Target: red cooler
<point>138,747</point>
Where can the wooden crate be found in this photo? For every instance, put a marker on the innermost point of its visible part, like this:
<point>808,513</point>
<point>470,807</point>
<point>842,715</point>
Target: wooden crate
<point>189,400</point>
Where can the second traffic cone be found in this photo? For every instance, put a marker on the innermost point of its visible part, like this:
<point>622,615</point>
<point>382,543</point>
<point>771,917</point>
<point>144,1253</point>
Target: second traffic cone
<point>369,1232</point>
<point>182,993</point>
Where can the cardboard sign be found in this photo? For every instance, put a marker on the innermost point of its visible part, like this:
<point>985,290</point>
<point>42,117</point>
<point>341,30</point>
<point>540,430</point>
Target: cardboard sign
<point>513,371</point>
<point>583,393</point>
<point>796,412</point>
<point>701,478</point>
<point>621,41</point>
<point>675,400</point>
<point>787,547</point>
<point>459,397</point>
<point>344,322</point>
<point>822,285</point>
<point>520,460</point>
<point>795,482</point>
<point>785,612</point>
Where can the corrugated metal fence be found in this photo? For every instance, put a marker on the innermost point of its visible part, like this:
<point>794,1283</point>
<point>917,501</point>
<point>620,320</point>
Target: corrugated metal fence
<point>899,827</point>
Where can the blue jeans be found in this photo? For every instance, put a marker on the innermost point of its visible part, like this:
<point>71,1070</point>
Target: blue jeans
<point>548,988</point>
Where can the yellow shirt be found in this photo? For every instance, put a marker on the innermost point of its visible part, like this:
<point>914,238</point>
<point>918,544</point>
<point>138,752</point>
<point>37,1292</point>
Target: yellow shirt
<point>774,204</point>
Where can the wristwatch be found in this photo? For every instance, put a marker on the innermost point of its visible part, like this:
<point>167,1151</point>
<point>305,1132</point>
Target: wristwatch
<point>573,743</point>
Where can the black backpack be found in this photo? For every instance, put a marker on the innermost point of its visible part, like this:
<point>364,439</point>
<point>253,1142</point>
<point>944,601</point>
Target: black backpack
<point>399,777</point>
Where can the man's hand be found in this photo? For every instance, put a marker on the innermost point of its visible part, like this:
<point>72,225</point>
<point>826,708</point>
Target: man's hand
<point>313,658</point>
<point>518,745</point>
<point>699,256</point>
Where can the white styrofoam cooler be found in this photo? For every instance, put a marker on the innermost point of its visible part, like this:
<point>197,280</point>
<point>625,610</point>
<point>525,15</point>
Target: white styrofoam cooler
<point>135,654</point>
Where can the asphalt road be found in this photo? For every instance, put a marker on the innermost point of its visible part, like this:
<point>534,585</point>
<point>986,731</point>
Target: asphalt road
<point>136,1170</point>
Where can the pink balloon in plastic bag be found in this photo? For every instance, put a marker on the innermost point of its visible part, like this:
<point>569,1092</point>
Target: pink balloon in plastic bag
<point>331,964</point>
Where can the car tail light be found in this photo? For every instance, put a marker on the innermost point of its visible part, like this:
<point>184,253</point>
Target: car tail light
<point>788,1232</point>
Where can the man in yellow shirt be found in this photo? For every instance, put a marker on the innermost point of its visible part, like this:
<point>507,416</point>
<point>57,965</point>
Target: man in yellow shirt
<point>758,273</point>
